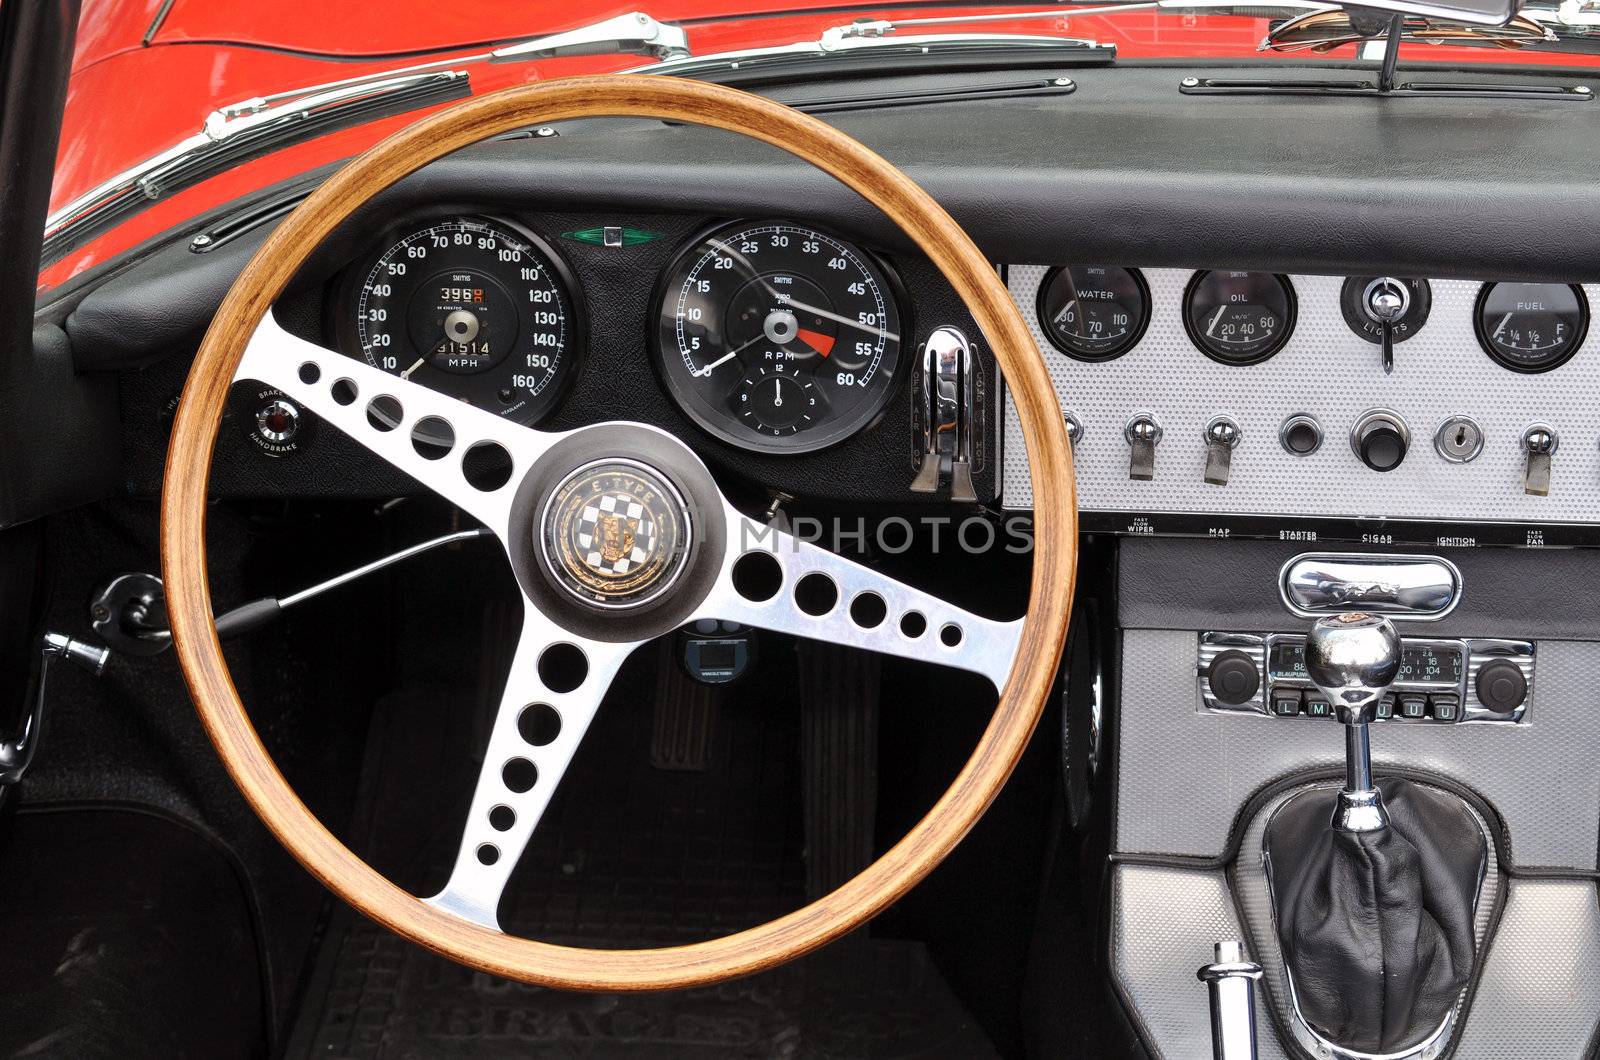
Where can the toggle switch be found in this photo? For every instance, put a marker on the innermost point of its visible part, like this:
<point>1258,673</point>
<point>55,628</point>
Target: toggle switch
<point>1074,427</point>
<point>1540,442</point>
<point>1387,300</point>
<point>1222,438</point>
<point>1143,434</point>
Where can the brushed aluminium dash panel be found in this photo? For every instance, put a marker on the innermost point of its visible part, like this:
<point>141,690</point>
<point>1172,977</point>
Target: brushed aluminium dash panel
<point>1327,371</point>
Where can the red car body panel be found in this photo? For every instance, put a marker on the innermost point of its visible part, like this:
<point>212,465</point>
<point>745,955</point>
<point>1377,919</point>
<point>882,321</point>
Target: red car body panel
<point>139,87</point>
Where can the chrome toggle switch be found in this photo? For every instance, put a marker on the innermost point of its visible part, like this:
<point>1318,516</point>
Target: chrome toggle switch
<point>948,399</point>
<point>1387,300</point>
<point>1222,438</point>
<point>1074,427</point>
<point>1540,442</point>
<point>1143,434</point>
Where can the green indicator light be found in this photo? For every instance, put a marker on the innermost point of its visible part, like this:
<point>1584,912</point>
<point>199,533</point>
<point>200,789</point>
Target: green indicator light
<point>611,236</point>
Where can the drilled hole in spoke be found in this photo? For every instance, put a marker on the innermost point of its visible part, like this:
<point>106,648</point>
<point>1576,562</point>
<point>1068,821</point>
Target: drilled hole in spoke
<point>868,610</point>
<point>950,635</point>
<point>913,625</point>
<point>519,775</point>
<point>344,391</point>
<point>501,818</point>
<point>486,466</point>
<point>488,854</point>
<point>757,577</point>
<point>563,667</point>
<point>816,594</point>
<point>433,438</point>
<point>384,413</point>
<point>539,724</point>
<point>310,372</point>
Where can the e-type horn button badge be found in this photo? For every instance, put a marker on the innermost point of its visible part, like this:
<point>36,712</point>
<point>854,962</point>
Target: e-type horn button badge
<point>616,534</point>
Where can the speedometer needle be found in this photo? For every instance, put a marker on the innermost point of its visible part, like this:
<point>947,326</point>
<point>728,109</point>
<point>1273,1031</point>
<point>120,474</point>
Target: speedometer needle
<point>406,375</point>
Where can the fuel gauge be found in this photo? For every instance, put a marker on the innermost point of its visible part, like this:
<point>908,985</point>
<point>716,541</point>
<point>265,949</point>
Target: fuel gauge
<point>1532,327</point>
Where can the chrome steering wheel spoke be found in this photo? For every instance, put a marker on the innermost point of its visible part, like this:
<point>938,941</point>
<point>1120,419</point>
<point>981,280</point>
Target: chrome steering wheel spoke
<point>824,596</point>
<point>470,457</point>
<point>536,731</point>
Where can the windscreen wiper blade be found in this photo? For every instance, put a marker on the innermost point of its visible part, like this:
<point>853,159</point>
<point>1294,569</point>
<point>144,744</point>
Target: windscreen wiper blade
<point>845,43</point>
<point>236,134</point>
<point>243,131</point>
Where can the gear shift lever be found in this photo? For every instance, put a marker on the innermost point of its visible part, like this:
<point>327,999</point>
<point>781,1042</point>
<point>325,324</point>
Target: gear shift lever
<point>1353,659</point>
<point>1375,910</point>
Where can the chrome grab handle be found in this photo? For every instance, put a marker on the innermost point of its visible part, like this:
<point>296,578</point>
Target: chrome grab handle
<point>1231,983</point>
<point>1419,588</point>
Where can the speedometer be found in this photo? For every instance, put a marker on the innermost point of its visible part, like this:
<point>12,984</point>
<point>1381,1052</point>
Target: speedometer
<point>778,337</point>
<point>477,308</point>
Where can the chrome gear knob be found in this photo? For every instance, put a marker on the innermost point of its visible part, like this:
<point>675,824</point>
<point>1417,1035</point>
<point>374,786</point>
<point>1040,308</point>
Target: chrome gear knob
<point>1353,659</point>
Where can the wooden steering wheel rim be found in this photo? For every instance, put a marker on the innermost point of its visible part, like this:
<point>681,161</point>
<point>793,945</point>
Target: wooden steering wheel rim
<point>194,436</point>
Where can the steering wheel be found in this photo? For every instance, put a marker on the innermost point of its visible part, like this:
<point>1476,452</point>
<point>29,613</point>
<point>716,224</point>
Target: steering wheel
<point>617,534</point>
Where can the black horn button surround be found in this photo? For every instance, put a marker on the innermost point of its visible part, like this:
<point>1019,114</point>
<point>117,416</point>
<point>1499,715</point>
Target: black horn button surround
<point>618,533</point>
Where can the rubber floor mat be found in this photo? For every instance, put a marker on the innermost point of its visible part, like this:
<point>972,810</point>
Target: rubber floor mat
<point>627,855</point>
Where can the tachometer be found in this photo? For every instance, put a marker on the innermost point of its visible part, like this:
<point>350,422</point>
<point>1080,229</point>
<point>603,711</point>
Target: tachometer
<point>778,337</point>
<point>1239,317</point>
<point>1532,327</point>
<point>477,308</point>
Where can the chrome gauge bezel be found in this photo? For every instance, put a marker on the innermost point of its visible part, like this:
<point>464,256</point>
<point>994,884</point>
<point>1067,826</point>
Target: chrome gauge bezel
<point>540,405</point>
<point>1223,356</point>
<point>1569,351</point>
<point>1111,352</point>
<point>667,359</point>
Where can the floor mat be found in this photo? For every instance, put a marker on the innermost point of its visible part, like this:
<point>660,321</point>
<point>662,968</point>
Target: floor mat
<point>626,855</point>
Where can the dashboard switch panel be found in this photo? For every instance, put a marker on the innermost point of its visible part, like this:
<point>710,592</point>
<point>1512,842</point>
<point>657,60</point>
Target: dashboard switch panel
<point>1460,488</point>
<point>1441,681</point>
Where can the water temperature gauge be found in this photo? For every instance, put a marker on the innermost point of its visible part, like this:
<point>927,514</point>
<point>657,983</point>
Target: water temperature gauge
<point>1092,312</point>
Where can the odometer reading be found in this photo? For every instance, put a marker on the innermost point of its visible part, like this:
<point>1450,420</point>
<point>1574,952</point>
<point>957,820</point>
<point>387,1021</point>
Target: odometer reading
<point>476,308</point>
<point>1532,327</point>
<point>778,337</point>
<point>1239,317</point>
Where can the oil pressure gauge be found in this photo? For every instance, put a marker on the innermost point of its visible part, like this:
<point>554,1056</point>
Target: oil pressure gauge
<point>1239,317</point>
<point>1532,327</point>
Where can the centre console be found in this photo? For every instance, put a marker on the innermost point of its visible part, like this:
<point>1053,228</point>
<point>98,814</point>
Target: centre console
<point>1229,765</point>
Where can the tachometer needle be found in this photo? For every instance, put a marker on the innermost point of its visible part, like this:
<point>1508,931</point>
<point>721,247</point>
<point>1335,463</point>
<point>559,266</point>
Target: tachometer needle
<point>406,375</point>
<point>725,358</point>
<point>823,344</point>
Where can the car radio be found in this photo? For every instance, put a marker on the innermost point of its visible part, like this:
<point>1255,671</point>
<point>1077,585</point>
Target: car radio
<point>1441,681</point>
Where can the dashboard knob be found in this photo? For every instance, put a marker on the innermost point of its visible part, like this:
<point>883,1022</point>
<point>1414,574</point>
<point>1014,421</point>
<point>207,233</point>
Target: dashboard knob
<point>1233,677</point>
<point>1380,439</point>
<point>1501,686</point>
